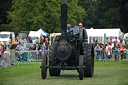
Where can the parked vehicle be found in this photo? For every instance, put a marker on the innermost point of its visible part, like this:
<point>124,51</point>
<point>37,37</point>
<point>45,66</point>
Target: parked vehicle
<point>7,37</point>
<point>23,34</point>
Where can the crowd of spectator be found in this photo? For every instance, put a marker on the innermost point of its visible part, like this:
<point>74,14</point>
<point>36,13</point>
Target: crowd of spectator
<point>116,49</point>
<point>36,44</point>
<point>4,52</point>
<point>3,48</point>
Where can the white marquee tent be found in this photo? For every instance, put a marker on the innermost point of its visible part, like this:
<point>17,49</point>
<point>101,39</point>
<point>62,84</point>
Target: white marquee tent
<point>99,34</point>
<point>38,33</point>
<point>32,33</point>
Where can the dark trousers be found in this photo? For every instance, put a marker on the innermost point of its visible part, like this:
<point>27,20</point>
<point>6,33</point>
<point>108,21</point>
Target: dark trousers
<point>102,55</point>
<point>97,55</point>
<point>122,55</point>
<point>109,56</point>
<point>116,57</point>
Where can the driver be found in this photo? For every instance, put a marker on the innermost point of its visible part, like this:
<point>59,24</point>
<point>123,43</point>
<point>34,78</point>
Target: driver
<point>70,30</point>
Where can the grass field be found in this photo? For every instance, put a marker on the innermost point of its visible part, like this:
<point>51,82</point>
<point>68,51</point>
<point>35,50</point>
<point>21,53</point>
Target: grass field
<point>105,73</point>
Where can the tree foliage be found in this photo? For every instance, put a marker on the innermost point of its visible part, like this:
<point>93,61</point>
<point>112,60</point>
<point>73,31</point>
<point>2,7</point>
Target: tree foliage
<point>45,14</point>
<point>27,15</point>
<point>106,13</point>
<point>5,5</point>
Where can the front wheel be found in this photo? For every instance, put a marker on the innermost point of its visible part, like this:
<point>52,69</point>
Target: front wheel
<point>44,67</point>
<point>81,70</point>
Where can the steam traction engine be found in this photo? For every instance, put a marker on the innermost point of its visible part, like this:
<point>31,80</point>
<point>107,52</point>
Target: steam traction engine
<point>70,52</point>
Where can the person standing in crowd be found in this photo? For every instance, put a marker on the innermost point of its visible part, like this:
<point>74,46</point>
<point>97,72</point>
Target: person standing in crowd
<point>1,48</point>
<point>7,56</point>
<point>121,40</point>
<point>37,48</point>
<point>97,49</point>
<point>124,43</point>
<point>31,52</point>
<point>29,39</point>
<point>37,40</point>
<point>109,53</point>
<point>125,52</point>
<point>108,45</point>
<point>70,30</point>
<point>43,50</point>
<point>4,47</point>
<point>117,54</point>
<point>20,41</point>
<point>22,50</point>
<point>34,41</point>
<point>94,41</point>
<point>116,40</point>
<point>117,45</point>
<point>14,44</point>
<point>24,41</point>
<point>112,46</point>
<point>42,40</point>
<point>46,41</point>
<point>31,47</point>
<point>7,51</point>
<point>102,52</point>
<point>107,40</point>
<point>122,52</point>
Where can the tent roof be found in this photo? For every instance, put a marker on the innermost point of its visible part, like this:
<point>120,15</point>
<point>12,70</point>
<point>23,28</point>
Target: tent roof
<point>101,32</point>
<point>32,33</point>
<point>41,32</point>
<point>38,33</point>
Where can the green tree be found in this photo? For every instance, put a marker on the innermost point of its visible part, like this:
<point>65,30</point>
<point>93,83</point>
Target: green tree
<point>110,13</point>
<point>115,14</point>
<point>106,13</point>
<point>75,13</point>
<point>91,7</point>
<point>5,5</point>
<point>45,14</point>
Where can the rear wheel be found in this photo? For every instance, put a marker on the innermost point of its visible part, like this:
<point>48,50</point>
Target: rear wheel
<point>88,55</point>
<point>52,61</point>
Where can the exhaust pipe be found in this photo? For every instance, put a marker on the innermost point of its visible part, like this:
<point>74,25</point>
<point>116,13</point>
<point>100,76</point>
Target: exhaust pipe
<point>64,17</point>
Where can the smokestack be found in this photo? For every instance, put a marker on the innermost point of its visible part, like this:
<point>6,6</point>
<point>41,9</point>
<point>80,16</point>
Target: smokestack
<point>64,18</point>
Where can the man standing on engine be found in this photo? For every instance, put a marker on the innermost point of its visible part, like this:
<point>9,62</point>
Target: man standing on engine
<point>82,28</point>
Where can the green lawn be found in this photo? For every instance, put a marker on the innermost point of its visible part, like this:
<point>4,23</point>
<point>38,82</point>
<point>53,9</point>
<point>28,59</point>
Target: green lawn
<point>106,73</point>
